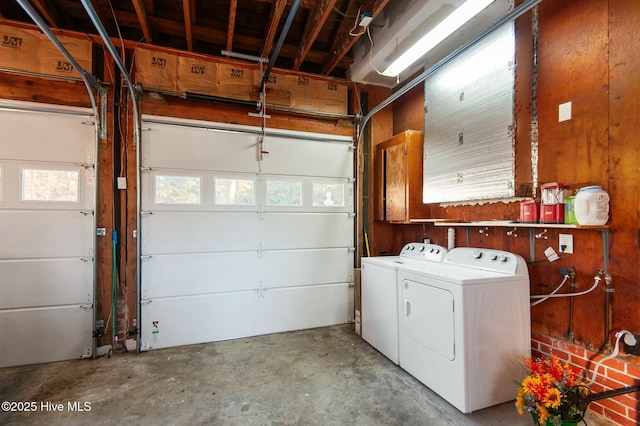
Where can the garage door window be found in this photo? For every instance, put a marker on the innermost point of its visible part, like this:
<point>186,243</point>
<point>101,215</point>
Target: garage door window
<point>50,185</point>
<point>328,194</point>
<point>284,193</point>
<point>231,191</point>
<point>178,189</point>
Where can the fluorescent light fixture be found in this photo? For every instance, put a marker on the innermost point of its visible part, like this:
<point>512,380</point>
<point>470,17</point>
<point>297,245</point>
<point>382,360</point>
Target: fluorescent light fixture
<point>444,29</point>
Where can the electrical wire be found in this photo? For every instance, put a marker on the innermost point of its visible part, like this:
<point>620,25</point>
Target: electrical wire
<point>342,13</point>
<point>355,25</point>
<point>371,54</point>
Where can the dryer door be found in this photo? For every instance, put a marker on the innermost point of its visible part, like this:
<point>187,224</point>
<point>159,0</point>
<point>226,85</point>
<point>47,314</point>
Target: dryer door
<point>428,317</point>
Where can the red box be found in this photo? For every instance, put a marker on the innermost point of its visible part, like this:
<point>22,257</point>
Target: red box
<point>552,213</point>
<point>529,211</point>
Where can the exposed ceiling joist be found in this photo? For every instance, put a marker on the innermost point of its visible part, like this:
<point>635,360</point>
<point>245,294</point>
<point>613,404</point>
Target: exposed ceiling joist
<point>276,14</point>
<point>344,43</point>
<point>233,6</point>
<point>138,5</point>
<point>312,29</point>
<point>49,14</point>
<point>189,7</point>
<point>249,27</point>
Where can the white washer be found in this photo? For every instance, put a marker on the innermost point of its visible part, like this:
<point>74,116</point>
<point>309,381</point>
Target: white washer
<point>464,324</point>
<point>379,294</point>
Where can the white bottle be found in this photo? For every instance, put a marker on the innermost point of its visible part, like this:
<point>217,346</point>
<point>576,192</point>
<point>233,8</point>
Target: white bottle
<point>592,206</point>
<point>451,238</point>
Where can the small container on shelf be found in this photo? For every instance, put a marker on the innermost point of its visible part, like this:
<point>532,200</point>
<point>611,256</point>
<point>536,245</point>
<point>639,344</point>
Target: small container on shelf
<point>529,210</point>
<point>570,211</point>
<point>552,206</point>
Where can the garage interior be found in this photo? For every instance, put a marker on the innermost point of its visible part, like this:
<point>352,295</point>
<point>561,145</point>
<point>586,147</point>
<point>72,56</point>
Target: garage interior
<point>187,190</point>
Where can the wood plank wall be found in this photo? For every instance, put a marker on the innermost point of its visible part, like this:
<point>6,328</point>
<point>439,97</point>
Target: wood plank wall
<point>587,55</point>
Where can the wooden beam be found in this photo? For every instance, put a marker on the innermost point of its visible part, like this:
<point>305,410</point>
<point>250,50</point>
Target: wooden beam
<point>48,13</point>
<point>143,18</point>
<point>345,41</point>
<point>233,5</point>
<point>276,13</point>
<point>312,29</point>
<point>189,9</point>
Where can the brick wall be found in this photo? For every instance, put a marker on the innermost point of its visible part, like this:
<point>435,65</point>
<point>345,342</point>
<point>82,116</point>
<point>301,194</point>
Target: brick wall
<point>613,374</point>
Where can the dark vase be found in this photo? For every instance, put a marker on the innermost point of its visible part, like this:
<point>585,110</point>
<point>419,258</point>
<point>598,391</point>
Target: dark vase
<point>549,423</point>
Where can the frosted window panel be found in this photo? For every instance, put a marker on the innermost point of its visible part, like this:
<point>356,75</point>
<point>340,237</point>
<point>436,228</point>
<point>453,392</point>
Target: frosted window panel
<point>50,185</point>
<point>469,145</point>
<point>328,194</point>
<point>177,189</point>
<point>235,191</point>
<point>284,193</point>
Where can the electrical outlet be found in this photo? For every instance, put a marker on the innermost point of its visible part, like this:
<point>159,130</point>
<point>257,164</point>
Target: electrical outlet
<point>566,243</point>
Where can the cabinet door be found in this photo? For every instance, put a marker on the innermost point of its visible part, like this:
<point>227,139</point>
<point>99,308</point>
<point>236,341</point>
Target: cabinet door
<point>395,174</point>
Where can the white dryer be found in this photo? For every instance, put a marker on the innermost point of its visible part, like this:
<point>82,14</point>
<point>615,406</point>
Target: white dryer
<point>464,323</point>
<point>379,294</point>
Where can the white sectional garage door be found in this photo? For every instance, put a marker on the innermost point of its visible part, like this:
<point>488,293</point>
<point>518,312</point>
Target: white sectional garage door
<point>47,233</point>
<point>237,244</point>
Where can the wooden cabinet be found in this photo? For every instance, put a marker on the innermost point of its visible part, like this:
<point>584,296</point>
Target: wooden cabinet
<point>398,176</point>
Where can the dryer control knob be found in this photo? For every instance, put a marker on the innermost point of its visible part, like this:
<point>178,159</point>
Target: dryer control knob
<point>494,257</point>
<point>503,258</point>
<point>477,254</point>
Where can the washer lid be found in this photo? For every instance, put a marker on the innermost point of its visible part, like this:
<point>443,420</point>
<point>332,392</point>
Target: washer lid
<point>487,259</point>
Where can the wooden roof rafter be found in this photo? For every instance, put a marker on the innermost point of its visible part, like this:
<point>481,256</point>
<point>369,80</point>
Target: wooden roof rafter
<point>343,44</point>
<point>189,8</point>
<point>143,18</point>
<point>233,9</point>
<point>312,29</point>
<point>276,14</point>
<point>48,13</point>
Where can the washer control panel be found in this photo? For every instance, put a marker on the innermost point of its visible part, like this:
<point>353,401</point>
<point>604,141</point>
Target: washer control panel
<point>423,251</point>
<point>488,259</point>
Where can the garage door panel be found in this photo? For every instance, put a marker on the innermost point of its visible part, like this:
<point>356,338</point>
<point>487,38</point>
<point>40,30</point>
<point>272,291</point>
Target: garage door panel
<point>47,228</point>
<point>198,232</point>
<point>235,247</point>
<point>49,137</point>
<point>306,230</point>
<point>287,268</point>
<point>204,273</point>
<point>44,335</point>
<point>210,318</point>
<point>44,234</point>
<point>308,158</point>
<point>165,146</point>
<point>45,282</point>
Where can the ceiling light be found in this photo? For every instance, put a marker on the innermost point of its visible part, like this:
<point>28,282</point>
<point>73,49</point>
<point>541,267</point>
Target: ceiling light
<point>444,29</point>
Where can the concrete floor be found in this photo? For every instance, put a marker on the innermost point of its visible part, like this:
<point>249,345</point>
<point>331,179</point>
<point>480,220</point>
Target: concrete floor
<point>324,376</point>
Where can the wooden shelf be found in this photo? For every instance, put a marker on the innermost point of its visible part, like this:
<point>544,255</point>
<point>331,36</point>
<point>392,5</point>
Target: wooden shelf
<point>501,223</point>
